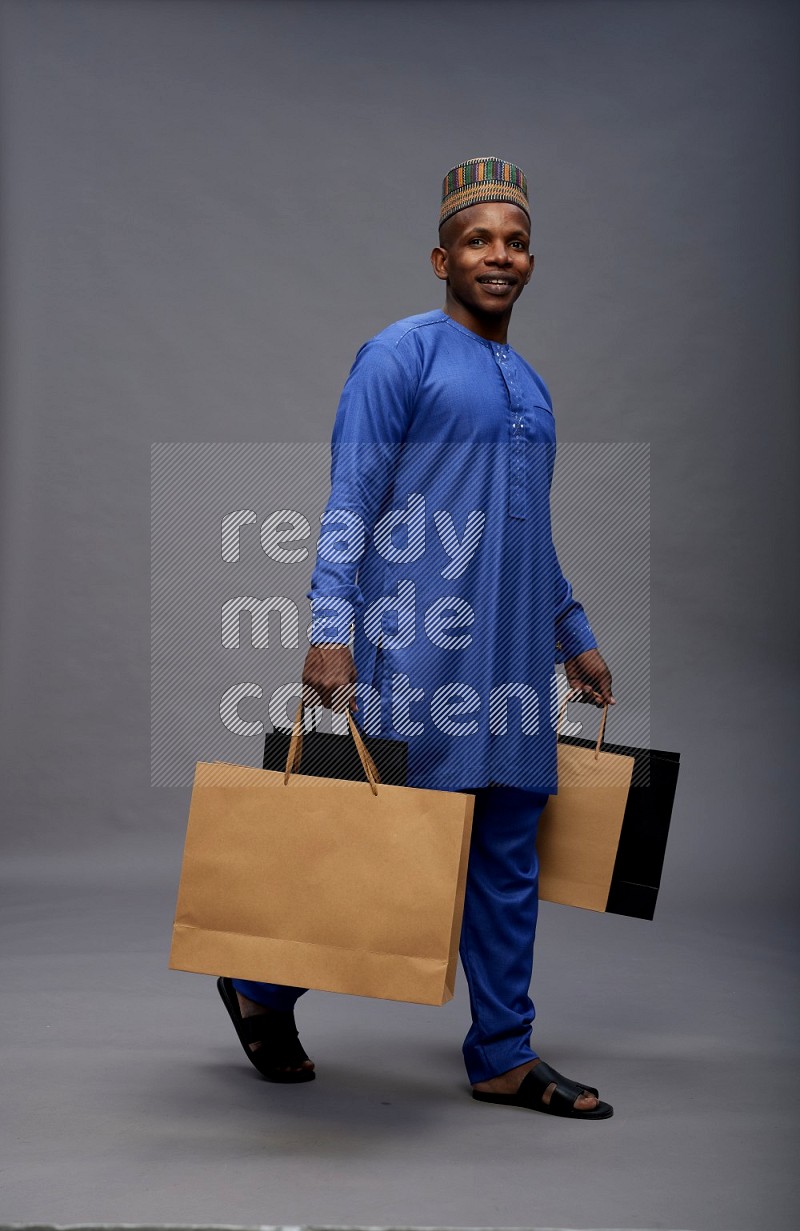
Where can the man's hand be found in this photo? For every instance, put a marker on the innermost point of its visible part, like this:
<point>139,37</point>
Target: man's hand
<point>588,674</point>
<point>329,669</point>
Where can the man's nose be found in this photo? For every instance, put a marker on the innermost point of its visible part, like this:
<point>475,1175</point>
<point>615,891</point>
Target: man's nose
<point>498,254</point>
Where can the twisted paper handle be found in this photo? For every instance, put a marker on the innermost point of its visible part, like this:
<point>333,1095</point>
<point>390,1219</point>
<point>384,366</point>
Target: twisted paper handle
<point>571,697</point>
<point>296,749</point>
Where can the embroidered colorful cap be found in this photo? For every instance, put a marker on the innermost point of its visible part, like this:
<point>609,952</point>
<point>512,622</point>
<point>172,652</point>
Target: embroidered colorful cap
<point>483,179</point>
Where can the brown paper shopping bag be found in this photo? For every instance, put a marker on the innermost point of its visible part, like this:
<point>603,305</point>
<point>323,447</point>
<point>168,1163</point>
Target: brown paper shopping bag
<point>344,886</point>
<point>580,827</point>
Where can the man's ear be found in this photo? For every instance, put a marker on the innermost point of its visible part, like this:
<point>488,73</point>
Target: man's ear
<point>530,271</point>
<point>439,263</point>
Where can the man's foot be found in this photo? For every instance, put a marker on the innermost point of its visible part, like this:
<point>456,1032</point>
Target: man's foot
<point>510,1082</point>
<point>251,1008</point>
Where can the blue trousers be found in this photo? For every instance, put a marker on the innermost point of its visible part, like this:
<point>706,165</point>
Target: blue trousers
<point>501,906</point>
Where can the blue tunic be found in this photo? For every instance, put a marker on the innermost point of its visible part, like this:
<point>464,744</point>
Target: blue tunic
<point>436,550</point>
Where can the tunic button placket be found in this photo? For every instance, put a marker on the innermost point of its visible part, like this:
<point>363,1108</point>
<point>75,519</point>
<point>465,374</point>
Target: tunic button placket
<point>516,461</point>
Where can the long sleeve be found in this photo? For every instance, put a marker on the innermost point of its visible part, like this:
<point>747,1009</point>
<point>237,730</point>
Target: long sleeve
<point>370,425</point>
<point>573,633</point>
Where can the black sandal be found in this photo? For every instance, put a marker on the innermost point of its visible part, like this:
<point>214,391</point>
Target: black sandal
<point>277,1034</point>
<point>532,1088</point>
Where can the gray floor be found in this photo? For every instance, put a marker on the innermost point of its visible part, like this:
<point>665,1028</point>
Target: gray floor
<point>126,1097</point>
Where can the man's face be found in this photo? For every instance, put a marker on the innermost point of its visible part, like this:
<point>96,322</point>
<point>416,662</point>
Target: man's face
<point>484,257</point>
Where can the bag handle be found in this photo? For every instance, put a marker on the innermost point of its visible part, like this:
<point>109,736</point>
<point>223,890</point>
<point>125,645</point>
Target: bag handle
<point>296,749</point>
<point>571,697</point>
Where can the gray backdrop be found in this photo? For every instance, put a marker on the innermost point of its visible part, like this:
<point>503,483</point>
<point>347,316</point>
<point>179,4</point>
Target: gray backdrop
<point>206,208</point>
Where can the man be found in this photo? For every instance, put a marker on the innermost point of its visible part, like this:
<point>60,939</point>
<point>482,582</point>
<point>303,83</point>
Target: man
<point>437,548</point>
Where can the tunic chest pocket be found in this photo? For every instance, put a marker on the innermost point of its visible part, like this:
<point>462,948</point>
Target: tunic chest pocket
<point>543,424</point>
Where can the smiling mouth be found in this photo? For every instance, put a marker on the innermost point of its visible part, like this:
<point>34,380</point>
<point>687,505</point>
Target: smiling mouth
<point>497,286</point>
